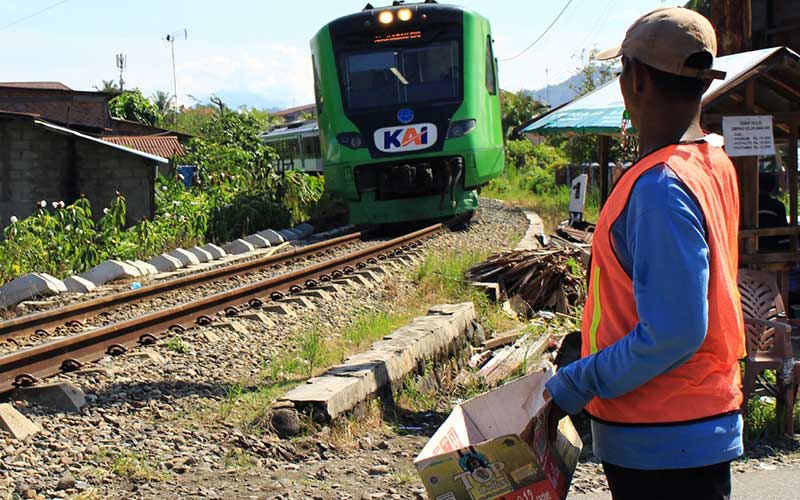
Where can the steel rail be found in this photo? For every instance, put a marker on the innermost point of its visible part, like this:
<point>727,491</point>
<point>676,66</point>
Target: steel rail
<point>75,313</point>
<point>27,366</point>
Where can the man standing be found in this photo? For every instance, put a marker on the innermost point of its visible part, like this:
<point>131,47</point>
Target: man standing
<point>662,329</point>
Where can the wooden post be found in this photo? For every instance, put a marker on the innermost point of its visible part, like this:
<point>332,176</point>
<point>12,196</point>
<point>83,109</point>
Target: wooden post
<point>733,22</point>
<point>792,166</point>
<point>605,143</point>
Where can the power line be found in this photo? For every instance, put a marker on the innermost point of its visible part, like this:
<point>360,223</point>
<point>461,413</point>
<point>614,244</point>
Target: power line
<point>529,47</point>
<point>29,16</point>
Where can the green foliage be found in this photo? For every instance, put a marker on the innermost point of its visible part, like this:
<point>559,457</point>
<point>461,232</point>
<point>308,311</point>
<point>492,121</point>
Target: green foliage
<point>132,105</point>
<point>312,344</point>
<point>239,193</point>
<point>176,344</point>
<point>701,6</point>
<point>518,108</point>
<point>108,87</point>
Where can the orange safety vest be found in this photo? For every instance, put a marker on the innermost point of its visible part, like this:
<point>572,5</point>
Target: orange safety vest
<point>709,382</point>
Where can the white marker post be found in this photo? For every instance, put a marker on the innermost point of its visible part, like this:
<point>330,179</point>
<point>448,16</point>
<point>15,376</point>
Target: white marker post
<point>577,199</point>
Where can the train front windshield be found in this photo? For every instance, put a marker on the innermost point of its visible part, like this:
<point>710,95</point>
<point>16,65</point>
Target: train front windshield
<point>399,76</point>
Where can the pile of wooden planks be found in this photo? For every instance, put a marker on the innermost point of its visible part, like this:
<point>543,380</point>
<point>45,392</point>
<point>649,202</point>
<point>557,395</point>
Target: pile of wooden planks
<point>499,357</point>
<point>546,279</point>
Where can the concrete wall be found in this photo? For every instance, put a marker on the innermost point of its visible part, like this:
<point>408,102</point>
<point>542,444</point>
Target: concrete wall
<point>38,164</point>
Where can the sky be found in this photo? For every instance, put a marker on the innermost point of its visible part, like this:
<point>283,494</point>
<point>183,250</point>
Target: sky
<point>256,51</point>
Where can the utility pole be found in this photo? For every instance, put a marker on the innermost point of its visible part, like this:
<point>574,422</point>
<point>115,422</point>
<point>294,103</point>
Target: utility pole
<point>122,63</point>
<point>733,20</point>
<point>178,35</point>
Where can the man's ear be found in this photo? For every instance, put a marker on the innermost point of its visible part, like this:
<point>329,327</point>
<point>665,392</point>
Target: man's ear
<point>640,77</point>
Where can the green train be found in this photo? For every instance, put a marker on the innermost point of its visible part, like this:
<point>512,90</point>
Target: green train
<point>409,110</point>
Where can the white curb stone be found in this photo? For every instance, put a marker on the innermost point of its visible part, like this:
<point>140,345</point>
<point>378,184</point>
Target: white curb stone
<point>79,285</point>
<point>186,257</point>
<point>304,230</point>
<point>288,234</point>
<point>30,285</point>
<point>110,270</point>
<point>272,236</point>
<point>215,251</point>
<point>165,263</point>
<point>143,267</point>
<point>257,241</point>
<point>202,255</point>
<point>15,423</point>
<point>238,247</point>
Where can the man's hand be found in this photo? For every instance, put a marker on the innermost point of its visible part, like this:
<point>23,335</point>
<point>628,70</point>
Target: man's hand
<point>553,418</point>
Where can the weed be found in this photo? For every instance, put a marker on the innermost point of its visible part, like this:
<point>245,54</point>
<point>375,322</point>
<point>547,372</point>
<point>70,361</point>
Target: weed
<point>176,344</point>
<point>412,398</point>
<point>760,418</point>
<point>129,465</point>
<point>312,344</point>
<point>345,432</point>
<point>236,458</point>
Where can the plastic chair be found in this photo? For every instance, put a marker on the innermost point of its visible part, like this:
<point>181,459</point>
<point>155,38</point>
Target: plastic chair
<point>769,346</point>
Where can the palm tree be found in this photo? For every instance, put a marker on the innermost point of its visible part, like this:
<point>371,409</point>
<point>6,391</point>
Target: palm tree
<point>108,87</point>
<point>162,100</point>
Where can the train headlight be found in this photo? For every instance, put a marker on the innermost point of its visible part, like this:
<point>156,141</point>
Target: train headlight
<point>460,128</point>
<point>386,17</point>
<point>404,14</point>
<point>352,140</point>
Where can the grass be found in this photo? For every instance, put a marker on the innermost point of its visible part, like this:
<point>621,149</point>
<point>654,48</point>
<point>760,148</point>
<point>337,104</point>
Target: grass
<point>129,465</point>
<point>552,205</point>
<point>344,433</point>
<point>176,344</point>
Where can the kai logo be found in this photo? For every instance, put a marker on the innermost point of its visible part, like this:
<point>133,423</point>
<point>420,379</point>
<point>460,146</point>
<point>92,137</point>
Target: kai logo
<point>406,138</point>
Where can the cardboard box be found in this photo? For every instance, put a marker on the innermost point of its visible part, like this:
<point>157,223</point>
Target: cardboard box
<point>495,446</point>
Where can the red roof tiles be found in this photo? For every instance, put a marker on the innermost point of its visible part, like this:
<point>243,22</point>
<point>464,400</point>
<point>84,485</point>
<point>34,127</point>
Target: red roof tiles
<point>165,146</point>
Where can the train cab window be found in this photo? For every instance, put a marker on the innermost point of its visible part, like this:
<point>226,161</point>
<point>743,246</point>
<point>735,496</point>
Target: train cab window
<point>491,74</point>
<point>407,75</point>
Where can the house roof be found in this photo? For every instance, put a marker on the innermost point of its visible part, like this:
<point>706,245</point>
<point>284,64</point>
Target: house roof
<point>36,85</point>
<point>65,131</point>
<point>164,146</point>
<point>296,109</point>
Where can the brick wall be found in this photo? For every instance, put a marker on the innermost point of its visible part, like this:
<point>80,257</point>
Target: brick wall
<point>86,109</point>
<point>38,164</point>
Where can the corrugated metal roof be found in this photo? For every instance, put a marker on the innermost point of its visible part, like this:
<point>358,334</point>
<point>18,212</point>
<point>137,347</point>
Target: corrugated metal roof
<point>305,129</point>
<point>305,107</point>
<point>165,146</point>
<point>600,111</point>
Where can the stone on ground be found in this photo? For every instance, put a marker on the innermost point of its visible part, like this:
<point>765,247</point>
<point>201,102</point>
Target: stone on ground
<point>285,423</point>
<point>66,482</point>
<point>215,251</point>
<point>61,396</point>
<point>202,255</point>
<point>77,284</point>
<point>238,247</point>
<point>15,423</point>
<point>257,241</point>
<point>186,257</point>
<point>27,286</point>
<point>165,263</point>
<point>272,236</point>
<point>111,270</point>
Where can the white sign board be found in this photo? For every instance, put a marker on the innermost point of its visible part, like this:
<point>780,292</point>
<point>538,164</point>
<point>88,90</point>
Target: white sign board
<point>748,135</point>
<point>577,198</point>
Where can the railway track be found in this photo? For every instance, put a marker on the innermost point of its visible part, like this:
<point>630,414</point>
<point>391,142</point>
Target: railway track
<point>46,322</point>
<point>29,365</point>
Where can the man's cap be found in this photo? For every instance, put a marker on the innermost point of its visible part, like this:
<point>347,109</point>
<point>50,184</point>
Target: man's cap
<point>666,38</point>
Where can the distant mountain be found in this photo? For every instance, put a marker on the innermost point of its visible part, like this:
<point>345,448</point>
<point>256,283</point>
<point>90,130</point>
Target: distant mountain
<point>558,94</point>
<point>237,98</point>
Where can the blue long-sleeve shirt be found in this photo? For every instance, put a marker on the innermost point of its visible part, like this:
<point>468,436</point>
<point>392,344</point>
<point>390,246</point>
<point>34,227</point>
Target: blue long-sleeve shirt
<point>660,241</point>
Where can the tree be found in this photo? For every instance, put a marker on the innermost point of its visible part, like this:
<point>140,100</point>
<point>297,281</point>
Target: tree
<point>132,105</point>
<point>108,87</point>
<point>518,108</point>
<point>162,101</point>
<point>701,6</point>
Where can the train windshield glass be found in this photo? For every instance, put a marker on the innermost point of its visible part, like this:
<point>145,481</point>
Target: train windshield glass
<point>398,76</point>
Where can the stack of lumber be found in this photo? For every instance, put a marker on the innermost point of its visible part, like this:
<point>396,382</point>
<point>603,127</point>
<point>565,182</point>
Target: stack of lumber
<point>546,279</point>
<point>499,357</point>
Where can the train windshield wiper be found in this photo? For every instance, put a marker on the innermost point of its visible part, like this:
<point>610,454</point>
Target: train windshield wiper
<point>396,72</point>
